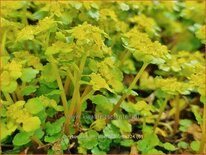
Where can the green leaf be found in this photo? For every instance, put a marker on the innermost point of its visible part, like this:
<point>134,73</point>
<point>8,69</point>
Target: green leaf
<point>39,15</point>
<point>27,33</point>
<point>103,104</point>
<point>183,145</point>
<point>34,105</point>
<point>98,125</point>
<point>10,88</point>
<point>39,133</point>
<point>104,143</point>
<point>89,139</point>
<point>124,7</point>
<point>64,142</point>
<point>28,74</point>
<point>154,151</point>
<point>59,47</point>
<point>198,117</point>
<point>21,138</point>
<point>53,138</point>
<point>28,90</point>
<point>195,145</point>
<point>96,150</point>
<point>127,142</point>
<point>31,124</point>
<point>123,125</point>
<point>184,124</point>
<point>111,131</point>
<point>54,128</point>
<point>148,142</point>
<point>169,146</point>
<point>48,74</point>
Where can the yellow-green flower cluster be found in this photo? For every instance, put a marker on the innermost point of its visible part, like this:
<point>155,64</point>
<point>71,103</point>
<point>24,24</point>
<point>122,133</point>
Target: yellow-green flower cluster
<point>194,11</point>
<point>143,48</point>
<point>110,23</point>
<point>197,80</point>
<point>172,86</point>
<point>90,39</point>
<point>150,27</point>
<point>200,33</point>
<point>106,76</point>
<point>11,72</point>
<point>183,62</point>
<point>18,114</point>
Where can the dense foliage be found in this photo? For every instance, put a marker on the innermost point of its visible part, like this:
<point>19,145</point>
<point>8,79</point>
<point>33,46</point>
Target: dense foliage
<point>103,77</point>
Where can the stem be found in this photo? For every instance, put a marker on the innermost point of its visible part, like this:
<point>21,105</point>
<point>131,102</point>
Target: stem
<point>202,148</point>
<point>72,105</point>
<point>60,85</point>
<point>8,97</point>
<point>124,56</point>
<point>66,85</point>
<point>160,114</point>
<point>4,43</point>
<point>19,97</point>
<point>14,97</point>
<point>116,107</point>
<point>24,17</point>
<point>177,114</point>
<point>76,94</point>
<point>87,94</point>
<point>39,142</point>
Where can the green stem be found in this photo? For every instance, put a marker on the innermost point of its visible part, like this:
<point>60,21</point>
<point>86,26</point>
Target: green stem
<point>72,105</point>
<point>37,141</point>
<point>66,85</point>
<point>160,114</point>
<point>86,95</point>
<point>124,56</point>
<point>24,17</point>
<point>76,94</point>
<point>18,94</point>
<point>116,107</point>
<point>4,52</point>
<point>60,85</point>
<point>177,114</point>
<point>14,97</point>
<point>8,97</point>
<point>202,148</point>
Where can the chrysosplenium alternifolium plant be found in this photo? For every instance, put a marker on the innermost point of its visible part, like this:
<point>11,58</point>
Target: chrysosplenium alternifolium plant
<point>93,77</point>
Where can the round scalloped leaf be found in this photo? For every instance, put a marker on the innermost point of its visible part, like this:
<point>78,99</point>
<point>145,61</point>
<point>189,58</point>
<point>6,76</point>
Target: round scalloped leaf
<point>111,131</point>
<point>31,124</point>
<point>123,125</point>
<point>28,74</point>
<point>21,138</point>
<point>34,105</point>
<point>89,139</point>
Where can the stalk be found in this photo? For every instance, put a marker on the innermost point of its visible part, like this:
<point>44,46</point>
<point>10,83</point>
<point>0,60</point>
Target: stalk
<point>8,97</point>
<point>177,114</point>
<point>4,52</point>
<point>14,97</point>
<point>67,84</point>
<point>124,56</point>
<point>160,114</point>
<point>60,85</point>
<point>18,94</point>
<point>76,94</point>
<point>88,92</point>
<point>37,141</point>
<point>116,107</point>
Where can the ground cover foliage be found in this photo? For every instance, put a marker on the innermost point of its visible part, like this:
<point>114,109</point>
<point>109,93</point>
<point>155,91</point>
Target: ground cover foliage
<point>102,77</point>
